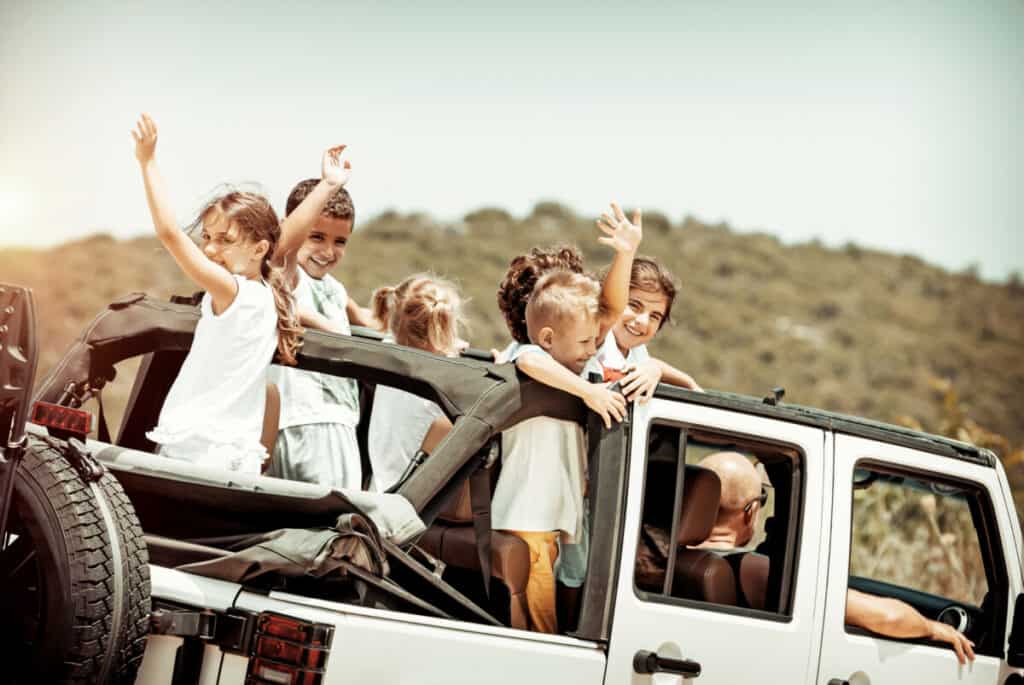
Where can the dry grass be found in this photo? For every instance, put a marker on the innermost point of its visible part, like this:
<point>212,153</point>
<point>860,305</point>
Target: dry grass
<point>918,540</point>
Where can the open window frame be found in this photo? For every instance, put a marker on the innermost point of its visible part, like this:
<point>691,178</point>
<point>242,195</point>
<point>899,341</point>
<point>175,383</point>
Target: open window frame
<point>779,457</point>
<point>982,510</point>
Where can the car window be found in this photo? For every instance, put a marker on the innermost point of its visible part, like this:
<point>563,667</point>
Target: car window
<point>725,541</point>
<point>932,543</point>
<point>916,533</point>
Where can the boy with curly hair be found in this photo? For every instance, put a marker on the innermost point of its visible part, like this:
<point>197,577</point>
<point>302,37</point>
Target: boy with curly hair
<point>539,495</point>
<point>517,286</point>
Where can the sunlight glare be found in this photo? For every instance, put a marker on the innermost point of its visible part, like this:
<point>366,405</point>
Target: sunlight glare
<point>13,213</point>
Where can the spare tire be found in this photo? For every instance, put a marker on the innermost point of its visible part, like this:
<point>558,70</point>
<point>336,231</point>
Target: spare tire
<point>74,595</point>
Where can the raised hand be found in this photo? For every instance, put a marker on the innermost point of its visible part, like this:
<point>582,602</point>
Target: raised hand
<point>144,135</point>
<point>621,234</point>
<point>333,170</point>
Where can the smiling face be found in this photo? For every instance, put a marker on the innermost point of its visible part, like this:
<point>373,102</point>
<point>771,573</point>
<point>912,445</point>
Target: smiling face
<point>573,343</point>
<point>325,246</point>
<point>223,245</point>
<point>642,318</point>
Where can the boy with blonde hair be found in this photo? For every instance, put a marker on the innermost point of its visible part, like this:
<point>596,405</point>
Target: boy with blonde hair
<point>539,495</point>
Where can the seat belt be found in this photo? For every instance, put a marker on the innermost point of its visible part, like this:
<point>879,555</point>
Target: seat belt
<point>480,504</point>
<point>102,432</point>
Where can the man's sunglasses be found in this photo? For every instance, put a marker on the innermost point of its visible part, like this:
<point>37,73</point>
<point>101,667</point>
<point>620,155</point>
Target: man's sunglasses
<point>761,499</point>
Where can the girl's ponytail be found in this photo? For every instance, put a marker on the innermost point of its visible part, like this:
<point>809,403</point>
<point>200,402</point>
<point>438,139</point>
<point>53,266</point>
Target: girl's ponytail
<point>385,301</point>
<point>289,332</point>
<point>382,304</point>
<point>442,324</point>
<point>426,314</point>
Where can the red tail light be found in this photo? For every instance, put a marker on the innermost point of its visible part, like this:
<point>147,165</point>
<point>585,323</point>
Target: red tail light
<point>289,651</point>
<point>62,418</point>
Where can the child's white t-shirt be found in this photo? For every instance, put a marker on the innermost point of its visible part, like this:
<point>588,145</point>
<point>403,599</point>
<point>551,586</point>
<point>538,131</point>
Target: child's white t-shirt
<point>398,423</point>
<point>310,397</point>
<point>542,473</point>
<point>610,356</point>
<point>213,413</point>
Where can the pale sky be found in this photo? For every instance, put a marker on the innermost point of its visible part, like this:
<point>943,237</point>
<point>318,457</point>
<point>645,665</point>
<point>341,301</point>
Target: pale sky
<point>892,124</point>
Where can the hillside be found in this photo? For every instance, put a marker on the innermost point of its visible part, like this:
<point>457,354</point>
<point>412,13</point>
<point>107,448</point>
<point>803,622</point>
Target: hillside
<point>851,330</point>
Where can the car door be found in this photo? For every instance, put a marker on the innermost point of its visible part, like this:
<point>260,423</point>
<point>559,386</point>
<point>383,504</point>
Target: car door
<point>658,631</point>
<point>933,533</point>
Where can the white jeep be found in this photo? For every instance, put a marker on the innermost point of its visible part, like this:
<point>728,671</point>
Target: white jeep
<point>231,579</point>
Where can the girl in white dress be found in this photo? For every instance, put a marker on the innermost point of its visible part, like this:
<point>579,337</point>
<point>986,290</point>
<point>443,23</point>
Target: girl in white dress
<point>213,414</point>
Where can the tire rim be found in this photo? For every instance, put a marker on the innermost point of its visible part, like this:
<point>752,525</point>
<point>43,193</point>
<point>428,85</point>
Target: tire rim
<point>26,598</point>
<point>24,590</point>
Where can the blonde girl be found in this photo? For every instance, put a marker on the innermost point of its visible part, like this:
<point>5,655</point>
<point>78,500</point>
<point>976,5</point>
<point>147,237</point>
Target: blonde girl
<point>423,312</point>
<point>214,412</point>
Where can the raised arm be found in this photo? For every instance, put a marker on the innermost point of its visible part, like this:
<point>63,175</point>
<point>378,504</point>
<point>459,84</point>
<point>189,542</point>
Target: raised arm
<point>334,173</point>
<point>362,316</point>
<point>541,367</point>
<point>624,237</point>
<point>894,618</point>
<point>209,276</point>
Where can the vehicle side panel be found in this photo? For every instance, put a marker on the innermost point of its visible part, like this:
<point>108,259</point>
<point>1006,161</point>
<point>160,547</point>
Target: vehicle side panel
<point>850,655</point>
<point>377,646</point>
<point>735,647</point>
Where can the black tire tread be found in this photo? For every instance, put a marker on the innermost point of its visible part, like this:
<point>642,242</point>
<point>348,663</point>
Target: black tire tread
<point>135,626</point>
<point>91,565</point>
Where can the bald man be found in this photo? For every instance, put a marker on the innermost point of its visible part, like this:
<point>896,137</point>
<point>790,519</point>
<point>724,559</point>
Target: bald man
<point>741,500</point>
<point>734,527</point>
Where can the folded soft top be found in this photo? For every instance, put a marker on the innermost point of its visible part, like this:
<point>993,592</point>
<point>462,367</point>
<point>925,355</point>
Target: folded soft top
<point>251,526</point>
<point>187,501</point>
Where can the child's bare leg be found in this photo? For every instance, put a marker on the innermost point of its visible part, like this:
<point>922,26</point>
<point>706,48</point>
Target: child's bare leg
<point>540,588</point>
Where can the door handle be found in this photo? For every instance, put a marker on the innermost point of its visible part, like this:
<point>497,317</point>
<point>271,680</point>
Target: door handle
<point>649,662</point>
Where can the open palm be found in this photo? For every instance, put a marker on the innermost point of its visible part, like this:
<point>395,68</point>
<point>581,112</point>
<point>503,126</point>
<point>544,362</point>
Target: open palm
<point>144,135</point>
<point>621,234</point>
<point>334,170</point>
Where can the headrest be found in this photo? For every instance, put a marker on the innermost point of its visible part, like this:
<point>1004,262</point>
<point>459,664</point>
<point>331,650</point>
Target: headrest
<point>702,491</point>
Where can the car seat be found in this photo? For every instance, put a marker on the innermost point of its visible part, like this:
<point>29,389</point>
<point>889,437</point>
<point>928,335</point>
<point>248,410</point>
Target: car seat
<point>701,574</point>
<point>751,570</point>
<point>698,574</point>
<point>451,538</point>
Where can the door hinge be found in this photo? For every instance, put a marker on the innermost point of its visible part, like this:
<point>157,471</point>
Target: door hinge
<point>232,630</point>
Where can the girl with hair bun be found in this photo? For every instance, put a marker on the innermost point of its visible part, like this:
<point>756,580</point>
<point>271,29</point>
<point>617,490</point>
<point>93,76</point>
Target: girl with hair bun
<point>424,312</point>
